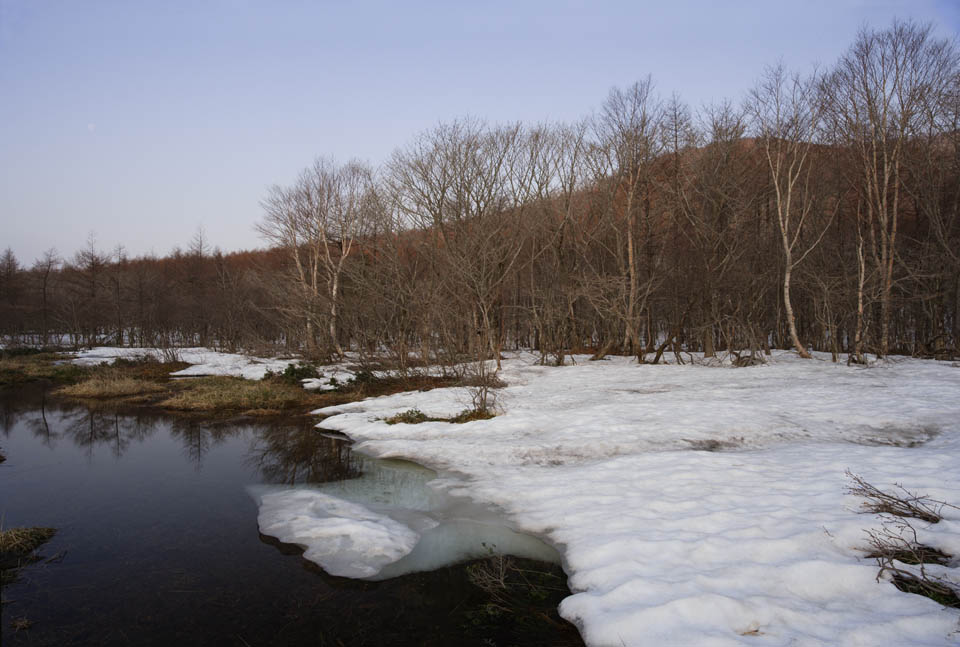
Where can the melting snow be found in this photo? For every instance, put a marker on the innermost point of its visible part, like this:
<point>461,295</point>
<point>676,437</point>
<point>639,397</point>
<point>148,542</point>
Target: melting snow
<point>705,506</point>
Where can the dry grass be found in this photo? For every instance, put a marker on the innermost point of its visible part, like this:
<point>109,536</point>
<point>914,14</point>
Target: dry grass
<point>111,383</point>
<point>415,417</point>
<point>18,548</point>
<point>23,541</point>
<point>237,394</point>
<point>21,368</point>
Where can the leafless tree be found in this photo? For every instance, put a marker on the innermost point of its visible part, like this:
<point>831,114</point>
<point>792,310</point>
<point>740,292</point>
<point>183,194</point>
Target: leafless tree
<point>318,221</point>
<point>786,114</point>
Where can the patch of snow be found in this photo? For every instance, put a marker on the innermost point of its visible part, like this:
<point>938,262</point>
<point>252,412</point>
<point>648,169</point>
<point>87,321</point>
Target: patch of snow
<point>331,377</point>
<point>207,362</point>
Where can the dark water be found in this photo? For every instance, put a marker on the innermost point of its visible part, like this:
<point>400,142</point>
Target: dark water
<point>158,544</point>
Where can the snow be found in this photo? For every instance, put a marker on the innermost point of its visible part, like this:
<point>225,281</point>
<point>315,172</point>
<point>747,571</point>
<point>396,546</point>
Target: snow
<point>206,362</point>
<point>665,543</point>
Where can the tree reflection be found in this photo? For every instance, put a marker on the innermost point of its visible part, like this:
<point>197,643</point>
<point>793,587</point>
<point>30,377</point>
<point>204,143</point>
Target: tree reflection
<point>92,425</point>
<point>299,453</point>
<point>40,426</point>
<point>199,437</point>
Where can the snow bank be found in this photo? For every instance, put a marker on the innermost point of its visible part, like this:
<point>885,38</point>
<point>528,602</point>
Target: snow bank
<point>755,542</point>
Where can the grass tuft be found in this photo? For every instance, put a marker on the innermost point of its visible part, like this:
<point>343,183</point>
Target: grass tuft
<point>23,541</point>
<point>18,548</point>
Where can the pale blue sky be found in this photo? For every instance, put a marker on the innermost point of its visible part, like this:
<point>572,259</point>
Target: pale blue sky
<point>141,121</point>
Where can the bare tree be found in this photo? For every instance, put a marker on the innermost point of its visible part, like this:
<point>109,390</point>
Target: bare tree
<point>786,115</point>
<point>629,139</point>
<point>44,268</point>
<point>318,221</point>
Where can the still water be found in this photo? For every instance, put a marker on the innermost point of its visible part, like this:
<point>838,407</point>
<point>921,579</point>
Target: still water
<point>158,543</point>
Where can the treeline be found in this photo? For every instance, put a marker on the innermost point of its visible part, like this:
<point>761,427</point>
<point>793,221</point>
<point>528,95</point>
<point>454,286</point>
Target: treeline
<point>821,212</point>
<point>194,297</point>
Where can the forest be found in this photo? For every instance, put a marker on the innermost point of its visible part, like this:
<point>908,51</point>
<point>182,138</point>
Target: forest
<point>818,212</point>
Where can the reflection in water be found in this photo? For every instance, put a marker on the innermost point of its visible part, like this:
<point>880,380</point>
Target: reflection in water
<point>92,426</point>
<point>292,454</point>
<point>282,450</point>
<point>198,437</point>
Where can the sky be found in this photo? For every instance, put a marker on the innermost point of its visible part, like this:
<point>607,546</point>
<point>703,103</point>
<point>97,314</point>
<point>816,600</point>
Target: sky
<point>137,123</point>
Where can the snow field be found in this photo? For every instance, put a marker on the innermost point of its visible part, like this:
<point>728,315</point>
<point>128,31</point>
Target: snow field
<point>669,545</point>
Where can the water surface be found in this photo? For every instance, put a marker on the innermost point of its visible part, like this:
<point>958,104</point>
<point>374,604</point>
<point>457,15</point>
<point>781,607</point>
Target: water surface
<point>158,543</point>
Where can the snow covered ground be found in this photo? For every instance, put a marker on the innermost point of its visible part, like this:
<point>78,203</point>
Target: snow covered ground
<point>205,361</point>
<point>696,505</point>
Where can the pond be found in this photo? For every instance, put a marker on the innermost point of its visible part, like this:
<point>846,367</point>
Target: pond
<point>158,542</point>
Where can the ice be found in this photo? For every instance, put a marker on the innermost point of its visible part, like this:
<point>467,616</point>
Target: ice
<point>344,538</point>
<point>699,505</point>
<point>393,520</point>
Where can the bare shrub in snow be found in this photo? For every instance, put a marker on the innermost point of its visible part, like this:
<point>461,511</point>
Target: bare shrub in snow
<point>901,503</point>
<point>902,557</point>
<point>897,548</point>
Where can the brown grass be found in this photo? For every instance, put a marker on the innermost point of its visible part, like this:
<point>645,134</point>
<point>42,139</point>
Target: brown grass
<point>19,369</point>
<point>110,383</point>
<point>415,417</point>
<point>23,541</point>
<point>237,394</point>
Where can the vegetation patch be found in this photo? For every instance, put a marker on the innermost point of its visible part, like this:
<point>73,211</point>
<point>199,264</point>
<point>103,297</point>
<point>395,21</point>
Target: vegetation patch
<point>937,591</point>
<point>896,546</point>
<point>23,541</point>
<point>520,599</point>
<point>469,415</point>
<point>409,417</point>
<point>111,383</point>
<point>18,548</point>
<point>293,373</point>
<point>237,394</point>
<point>23,367</point>
<point>415,416</point>
<point>898,503</point>
<point>147,367</point>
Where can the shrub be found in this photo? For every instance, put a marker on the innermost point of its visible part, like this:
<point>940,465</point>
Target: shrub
<point>469,415</point>
<point>895,545</point>
<point>293,373</point>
